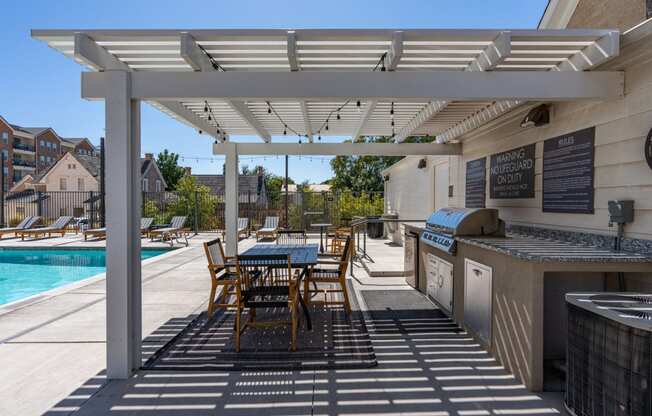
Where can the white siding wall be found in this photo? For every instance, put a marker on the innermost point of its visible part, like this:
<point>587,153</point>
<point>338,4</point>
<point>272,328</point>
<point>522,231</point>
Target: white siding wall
<point>620,167</point>
<point>410,191</point>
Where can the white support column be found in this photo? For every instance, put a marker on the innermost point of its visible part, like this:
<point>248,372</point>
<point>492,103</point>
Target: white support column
<point>123,278</point>
<point>231,198</point>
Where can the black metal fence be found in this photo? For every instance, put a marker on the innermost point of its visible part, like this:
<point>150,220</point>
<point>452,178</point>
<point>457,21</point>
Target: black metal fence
<point>205,210</point>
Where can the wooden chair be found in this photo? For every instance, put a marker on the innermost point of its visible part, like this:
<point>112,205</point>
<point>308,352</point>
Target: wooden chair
<point>339,240</point>
<point>223,275</point>
<point>330,269</point>
<point>175,231</point>
<point>266,282</point>
<point>57,227</point>
<point>291,237</point>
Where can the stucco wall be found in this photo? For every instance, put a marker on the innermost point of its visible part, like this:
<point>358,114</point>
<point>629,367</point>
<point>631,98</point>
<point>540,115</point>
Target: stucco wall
<point>620,14</point>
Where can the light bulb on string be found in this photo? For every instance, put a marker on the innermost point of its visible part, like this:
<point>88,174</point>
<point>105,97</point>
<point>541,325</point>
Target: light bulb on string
<point>210,118</point>
<point>338,114</point>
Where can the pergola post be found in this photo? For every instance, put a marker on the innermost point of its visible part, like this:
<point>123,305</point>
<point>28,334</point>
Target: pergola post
<point>123,278</point>
<point>231,198</point>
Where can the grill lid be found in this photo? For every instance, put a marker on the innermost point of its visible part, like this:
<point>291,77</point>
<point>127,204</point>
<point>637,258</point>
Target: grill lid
<point>466,221</point>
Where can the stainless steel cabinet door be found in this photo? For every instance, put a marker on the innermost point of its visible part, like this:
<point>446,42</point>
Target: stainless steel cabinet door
<point>477,299</point>
<point>440,281</point>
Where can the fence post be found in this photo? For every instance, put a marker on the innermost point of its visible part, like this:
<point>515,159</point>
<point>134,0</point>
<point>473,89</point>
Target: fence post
<point>39,203</point>
<point>2,190</point>
<point>92,202</point>
<point>196,212</point>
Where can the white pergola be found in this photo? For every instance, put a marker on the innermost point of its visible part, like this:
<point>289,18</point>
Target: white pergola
<point>310,83</point>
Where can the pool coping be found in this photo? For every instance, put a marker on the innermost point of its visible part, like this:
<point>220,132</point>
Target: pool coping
<point>48,294</point>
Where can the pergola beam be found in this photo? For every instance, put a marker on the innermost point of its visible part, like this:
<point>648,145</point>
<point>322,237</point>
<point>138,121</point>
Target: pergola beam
<point>189,117</point>
<point>242,109</point>
<point>193,55</point>
<point>343,149</point>
<point>306,120</point>
<point>369,108</point>
<point>395,52</point>
<point>417,121</point>
<point>492,55</point>
<point>597,53</point>
<point>90,53</point>
<point>389,86</point>
<point>292,51</point>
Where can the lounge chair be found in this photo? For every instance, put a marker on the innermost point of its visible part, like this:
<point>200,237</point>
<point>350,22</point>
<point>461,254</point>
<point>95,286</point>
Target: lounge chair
<point>174,231</point>
<point>270,228</point>
<point>27,223</point>
<point>145,225</point>
<point>243,227</point>
<point>57,227</point>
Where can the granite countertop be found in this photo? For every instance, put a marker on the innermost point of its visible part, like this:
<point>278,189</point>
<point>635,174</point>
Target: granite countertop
<point>538,249</point>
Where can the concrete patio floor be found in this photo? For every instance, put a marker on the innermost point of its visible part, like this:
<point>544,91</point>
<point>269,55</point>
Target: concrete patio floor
<point>53,353</point>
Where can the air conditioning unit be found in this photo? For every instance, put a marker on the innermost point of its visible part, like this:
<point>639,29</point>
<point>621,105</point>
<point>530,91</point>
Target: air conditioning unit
<point>609,354</point>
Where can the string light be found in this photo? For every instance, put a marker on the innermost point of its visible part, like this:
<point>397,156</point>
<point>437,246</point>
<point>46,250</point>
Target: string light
<point>338,114</point>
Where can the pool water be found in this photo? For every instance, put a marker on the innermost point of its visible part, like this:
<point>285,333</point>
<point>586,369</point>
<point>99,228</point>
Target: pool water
<point>27,272</point>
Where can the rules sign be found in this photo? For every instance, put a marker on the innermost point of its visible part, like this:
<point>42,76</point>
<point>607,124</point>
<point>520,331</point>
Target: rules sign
<point>568,173</point>
<point>512,174</point>
<point>476,182</point>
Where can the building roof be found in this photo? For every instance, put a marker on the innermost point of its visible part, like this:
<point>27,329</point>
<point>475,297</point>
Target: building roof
<point>313,187</point>
<point>246,183</point>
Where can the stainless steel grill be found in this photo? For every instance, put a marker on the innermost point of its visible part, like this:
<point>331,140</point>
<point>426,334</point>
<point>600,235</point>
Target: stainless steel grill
<point>447,223</point>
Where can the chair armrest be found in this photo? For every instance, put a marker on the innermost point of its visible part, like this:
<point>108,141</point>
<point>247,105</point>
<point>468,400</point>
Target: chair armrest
<point>333,262</point>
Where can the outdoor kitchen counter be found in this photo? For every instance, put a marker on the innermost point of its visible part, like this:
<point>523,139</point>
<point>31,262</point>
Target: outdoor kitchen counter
<point>536,249</point>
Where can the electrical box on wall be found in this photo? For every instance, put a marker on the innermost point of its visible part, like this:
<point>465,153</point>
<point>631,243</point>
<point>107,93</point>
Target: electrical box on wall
<point>621,211</point>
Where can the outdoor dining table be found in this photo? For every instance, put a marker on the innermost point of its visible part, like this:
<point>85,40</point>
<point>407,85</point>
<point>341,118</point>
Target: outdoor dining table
<point>302,256</point>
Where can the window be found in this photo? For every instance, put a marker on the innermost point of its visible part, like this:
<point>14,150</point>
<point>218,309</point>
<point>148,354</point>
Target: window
<point>80,184</point>
<point>54,146</point>
<point>145,185</point>
<point>63,185</point>
<point>49,159</point>
<point>5,137</point>
<point>5,154</point>
<point>41,158</point>
<point>48,145</point>
<point>42,143</point>
<point>158,185</point>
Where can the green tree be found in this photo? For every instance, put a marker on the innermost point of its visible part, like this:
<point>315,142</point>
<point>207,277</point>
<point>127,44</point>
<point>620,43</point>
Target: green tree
<point>363,173</point>
<point>191,199</point>
<point>168,164</point>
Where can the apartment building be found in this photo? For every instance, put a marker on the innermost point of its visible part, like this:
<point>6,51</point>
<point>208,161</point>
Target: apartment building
<point>33,150</point>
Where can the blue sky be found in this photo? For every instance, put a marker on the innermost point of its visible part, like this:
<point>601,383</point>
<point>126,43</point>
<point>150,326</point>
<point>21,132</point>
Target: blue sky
<point>39,87</point>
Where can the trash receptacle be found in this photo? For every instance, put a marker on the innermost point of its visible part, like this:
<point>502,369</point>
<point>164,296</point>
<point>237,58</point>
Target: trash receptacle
<point>374,227</point>
<point>392,229</point>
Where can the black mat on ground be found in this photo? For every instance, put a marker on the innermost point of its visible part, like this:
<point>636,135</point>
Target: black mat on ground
<point>337,341</point>
<point>400,304</point>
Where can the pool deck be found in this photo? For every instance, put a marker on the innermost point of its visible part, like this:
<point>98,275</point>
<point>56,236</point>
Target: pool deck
<point>52,355</point>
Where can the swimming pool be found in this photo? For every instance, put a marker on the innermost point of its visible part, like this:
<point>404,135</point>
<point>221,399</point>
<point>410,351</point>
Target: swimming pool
<point>27,272</point>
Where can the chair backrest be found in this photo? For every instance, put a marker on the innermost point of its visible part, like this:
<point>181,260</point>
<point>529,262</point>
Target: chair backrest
<point>291,237</point>
<point>215,253</point>
<point>346,254</point>
<point>264,270</point>
<point>178,222</point>
<point>23,224</point>
<point>243,223</point>
<point>271,222</point>
<point>61,222</point>
<point>146,223</point>
<point>32,222</point>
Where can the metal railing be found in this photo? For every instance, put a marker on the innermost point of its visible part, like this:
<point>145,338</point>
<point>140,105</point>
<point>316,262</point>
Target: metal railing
<point>23,162</point>
<point>22,146</point>
<point>205,210</point>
